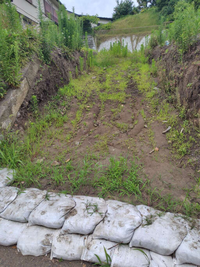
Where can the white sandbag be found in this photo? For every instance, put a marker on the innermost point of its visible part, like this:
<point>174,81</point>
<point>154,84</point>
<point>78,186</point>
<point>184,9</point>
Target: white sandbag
<point>35,241</point>
<point>147,211</point>
<point>153,264</point>
<point>161,261</point>
<point>189,250</point>
<point>10,232</point>
<point>161,234</point>
<point>6,177</point>
<point>120,222</point>
<point>51,212</point>
<point>185,265</point>
<point>7,195</point>
<point>20,209</point>
<point>98,247</point>
<point>89,211</point>
<point>130,257</point>
<point>67,247</point>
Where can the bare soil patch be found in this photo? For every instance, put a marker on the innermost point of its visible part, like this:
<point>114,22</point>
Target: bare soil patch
<point>108,118</point>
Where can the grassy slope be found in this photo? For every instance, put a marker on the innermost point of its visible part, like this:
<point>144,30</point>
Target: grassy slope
<point>130,24</point>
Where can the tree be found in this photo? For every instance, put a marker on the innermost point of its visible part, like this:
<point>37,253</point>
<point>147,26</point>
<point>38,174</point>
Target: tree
<point>196,3</point>
<point>166,7</point>
<point>122,9</point>
<point>146,3</point>
<point>87,20</point>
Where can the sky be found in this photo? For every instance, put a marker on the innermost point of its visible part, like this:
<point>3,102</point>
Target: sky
<point>102,8</point>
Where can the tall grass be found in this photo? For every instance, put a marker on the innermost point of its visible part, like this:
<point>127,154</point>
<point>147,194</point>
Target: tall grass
<point>18,44</point>
<point>183,31</point>
<point>106,58</point>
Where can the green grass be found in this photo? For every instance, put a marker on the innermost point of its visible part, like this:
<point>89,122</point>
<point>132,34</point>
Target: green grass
<point>121,177</point>
<point>142,23</point>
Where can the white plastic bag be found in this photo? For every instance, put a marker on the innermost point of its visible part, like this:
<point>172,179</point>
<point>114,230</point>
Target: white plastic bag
<point>98,247</point>
<point>120,222</point>
<point>67,247</point>
<point>7,195</point>
<point>189,250</point>
<point>35,241</point>
<point>161,261</point>
<point>130,257</point>
<point>51,212</point>
<point>6,177</point>
<point>89,211</point>
<point>161,234</point>
<point>20,209</point>
<point>10,232</point>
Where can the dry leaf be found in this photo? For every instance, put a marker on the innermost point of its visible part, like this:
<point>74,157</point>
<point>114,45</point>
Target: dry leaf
<point>156,149</point>
<point>67,160</point>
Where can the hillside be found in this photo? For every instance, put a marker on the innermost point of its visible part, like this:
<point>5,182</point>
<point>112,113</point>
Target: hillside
<point>134,24</point>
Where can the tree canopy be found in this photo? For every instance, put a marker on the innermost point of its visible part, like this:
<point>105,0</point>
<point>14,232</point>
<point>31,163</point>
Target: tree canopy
<point>124,8</point>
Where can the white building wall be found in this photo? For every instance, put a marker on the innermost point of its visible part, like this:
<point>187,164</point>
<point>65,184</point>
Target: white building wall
<point>27,9</point>
<point>32,10</point>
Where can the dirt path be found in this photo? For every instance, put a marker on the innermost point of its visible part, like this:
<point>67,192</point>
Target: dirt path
<point>94,139</point>
<point>93,132</point>
<point>10,257</point>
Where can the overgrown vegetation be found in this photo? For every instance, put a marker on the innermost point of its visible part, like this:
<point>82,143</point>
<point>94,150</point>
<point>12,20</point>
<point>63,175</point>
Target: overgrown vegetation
<point>49,153</point>
<point>18,44</point>
<point>183,31</point>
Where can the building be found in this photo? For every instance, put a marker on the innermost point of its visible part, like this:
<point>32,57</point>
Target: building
<point>102,20</point>
<point>29,9</point>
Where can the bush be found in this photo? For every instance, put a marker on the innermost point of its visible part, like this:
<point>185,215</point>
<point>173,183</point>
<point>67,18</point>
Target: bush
<point>17,44</point>
<point>106,58</point>
<point>185,29</point>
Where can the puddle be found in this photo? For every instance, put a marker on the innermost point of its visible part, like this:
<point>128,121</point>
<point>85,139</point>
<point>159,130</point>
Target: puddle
<point>133,42</point>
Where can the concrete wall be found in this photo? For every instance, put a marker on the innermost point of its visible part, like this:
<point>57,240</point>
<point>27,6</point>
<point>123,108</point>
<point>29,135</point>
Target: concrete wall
<point>103,21</point>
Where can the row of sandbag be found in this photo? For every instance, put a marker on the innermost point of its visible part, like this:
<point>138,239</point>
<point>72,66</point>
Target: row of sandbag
<point>37,241</point>
<point>111,220</point>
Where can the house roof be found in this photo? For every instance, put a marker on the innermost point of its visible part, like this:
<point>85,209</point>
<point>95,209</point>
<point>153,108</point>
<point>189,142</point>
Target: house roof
<point>111,19</point>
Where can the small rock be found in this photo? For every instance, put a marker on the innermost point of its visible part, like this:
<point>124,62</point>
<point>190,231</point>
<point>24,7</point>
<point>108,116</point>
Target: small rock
<point>130,126</point>
<point>145,126</point>
<point>55,163</point>
<point>40,160</point>
<point>77,143</point>
<point>18,114</point>
<point>94,77</point>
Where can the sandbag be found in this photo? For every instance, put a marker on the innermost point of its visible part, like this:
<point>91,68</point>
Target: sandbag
<point>51,212</point>
<point>10,232</point>
<point>147,211</point>
<point>120,222</point>
<point>161,234</point>
<point>189,250</point>
<point>35,241</point>
<point>89,211</point>
<point>6,177</point>
<point>185,265</point>
<point>20,209</point>
<point>161,261</point>
<point>130,257</point>
<point>67,247</point>
<point>7,195</point>
<point>97,247</point>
